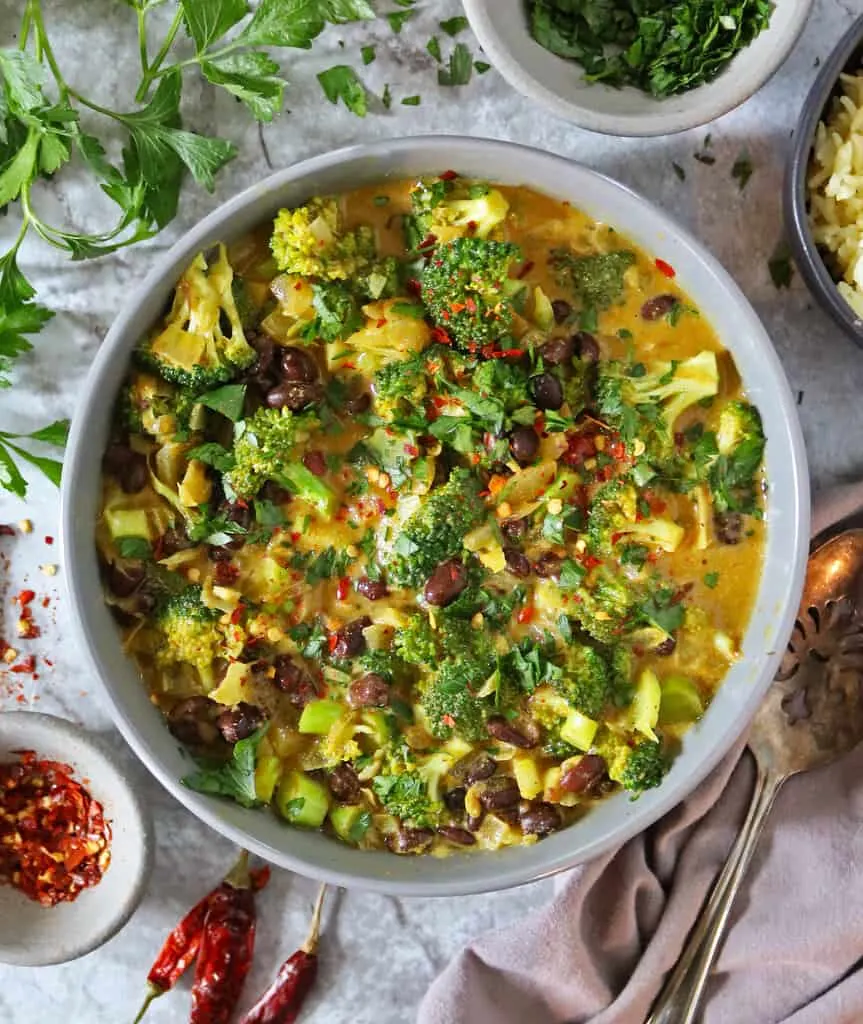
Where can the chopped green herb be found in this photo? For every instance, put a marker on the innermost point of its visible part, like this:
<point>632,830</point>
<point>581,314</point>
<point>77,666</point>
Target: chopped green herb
<point>679,171</point>
<point>711,579</point>
<point>433,47</point>
<point>134,547</point>
<point>459,69</point>
<point>387,97</point>
<point>341,83</point>
<point>368,54</point>
<point>227,400</point>
<point>411,101</point>
<point>742,171</point>
<point>452,26</point>
<point>480,66</point>
<point>398,18</point>
<point>780,266</point>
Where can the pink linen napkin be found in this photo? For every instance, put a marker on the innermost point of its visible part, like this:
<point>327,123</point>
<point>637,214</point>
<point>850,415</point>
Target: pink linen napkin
<point>600,950</point>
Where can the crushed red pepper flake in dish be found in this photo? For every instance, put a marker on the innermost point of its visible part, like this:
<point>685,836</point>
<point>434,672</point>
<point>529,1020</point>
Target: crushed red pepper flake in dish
<point>54,839</point>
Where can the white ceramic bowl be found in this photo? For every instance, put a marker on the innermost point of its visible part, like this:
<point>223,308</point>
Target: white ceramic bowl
<point>719,299</point>
<point>32,935</point>
<point>501,26</point>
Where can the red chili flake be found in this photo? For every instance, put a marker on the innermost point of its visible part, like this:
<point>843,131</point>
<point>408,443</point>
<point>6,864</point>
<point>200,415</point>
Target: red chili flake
<point>412,450</point>
<point>525,270</point>
<point>49,540</point>
<point>665,269</point>
<point>295,537</point>
<point>591,561</point>
<point>298,286</point>
<point>616,449</point>
<point>237,614</point>
<point>382,322</point>
<point>413,286</point>
<point>449,175</point>
<point>25,597</point>
<point>54,840</point>
<point>441,336</point>
<point>472,226</point>
<point>579,448</point>
<point>46,601</point>
<point>6,530</point>
<point>343,588</point>
<point>225,573</point>
<point>525,615</point>
<point>448,720</point>
<point>428,241</point>
<point>332,642</point>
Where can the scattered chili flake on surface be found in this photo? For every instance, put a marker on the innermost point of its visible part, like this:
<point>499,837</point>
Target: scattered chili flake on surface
<point>6,530</point>
<point>54,840</point>
<point>49,540</point>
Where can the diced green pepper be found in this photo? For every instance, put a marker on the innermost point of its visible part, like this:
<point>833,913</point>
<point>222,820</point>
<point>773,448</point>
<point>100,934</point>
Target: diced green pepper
<point>380,727</point>
<point>302,800</point>
<point>350,822</point>
<point>267,773</point>
<point>319,716</point>
<point>681,702</point>
<point>644,710</point>
<point>128,522</point>
<point>579,730</point>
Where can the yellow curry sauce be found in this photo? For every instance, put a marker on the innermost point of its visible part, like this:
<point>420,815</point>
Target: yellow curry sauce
<point>281,576</point>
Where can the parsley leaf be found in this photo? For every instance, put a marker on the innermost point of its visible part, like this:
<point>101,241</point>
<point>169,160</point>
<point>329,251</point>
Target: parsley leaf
<point>459,68</point>
<point>369,54</point>
<point>780,266</point>
<point>452,26</point>
<point>227,400</point>
<point>742,170</point>
<point>341,83</point>
<point>235,778</point>
<point>398,18</point>
<point>213,454</point>
<point>134,547</point>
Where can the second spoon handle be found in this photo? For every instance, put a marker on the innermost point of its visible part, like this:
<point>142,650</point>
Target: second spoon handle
<point>681,996</point>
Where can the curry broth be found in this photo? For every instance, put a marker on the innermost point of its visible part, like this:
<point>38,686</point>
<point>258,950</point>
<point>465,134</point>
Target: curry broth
<point>283,597</point>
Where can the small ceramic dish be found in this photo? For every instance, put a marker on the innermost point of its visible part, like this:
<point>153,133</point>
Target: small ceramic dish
<point>32,935</point>
<point>501,26</point>
<point>846,57</point>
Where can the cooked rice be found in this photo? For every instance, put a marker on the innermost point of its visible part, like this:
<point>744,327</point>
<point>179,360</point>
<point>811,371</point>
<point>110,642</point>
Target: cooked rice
<point>836,188</point>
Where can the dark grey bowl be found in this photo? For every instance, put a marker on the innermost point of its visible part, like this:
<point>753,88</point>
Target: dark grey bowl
<point>848,56</point>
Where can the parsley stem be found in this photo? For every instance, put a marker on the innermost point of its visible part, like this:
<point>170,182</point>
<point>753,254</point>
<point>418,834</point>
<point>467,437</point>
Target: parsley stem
<point>24,33</point>
<point>154,70</point>
<point>43,49</point>
<point>142,41</point>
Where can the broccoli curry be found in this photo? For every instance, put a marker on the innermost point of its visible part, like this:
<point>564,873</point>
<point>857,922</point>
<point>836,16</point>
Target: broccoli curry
<point>432,514</point>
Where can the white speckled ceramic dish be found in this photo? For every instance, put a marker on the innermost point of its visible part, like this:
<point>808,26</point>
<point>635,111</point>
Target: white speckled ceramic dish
<point>615,820</point>
<point>32,935</point>
<point>501,26</point>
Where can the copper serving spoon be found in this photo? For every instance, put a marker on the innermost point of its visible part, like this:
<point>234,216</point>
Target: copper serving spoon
<point>812,714</point>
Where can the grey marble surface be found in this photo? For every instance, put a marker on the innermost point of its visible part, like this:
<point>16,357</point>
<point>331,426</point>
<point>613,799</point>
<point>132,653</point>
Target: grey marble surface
<point>380,953</point>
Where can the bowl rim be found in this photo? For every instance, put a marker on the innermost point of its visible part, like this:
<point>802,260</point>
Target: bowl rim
<point>35,728</point>
<point>437,151</point>
<point>795,198</point>
<point>627,125</point>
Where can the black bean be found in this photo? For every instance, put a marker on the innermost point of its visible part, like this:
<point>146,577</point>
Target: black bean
<point>371,590</point>
<point>134,475</point>
<point>315,462</point>
<point>666,648</point>
<point>474,821</point>
<point>125,580</point>
<point>586,346</point>
<point>350,640</point>
<point>410,840</point>
<point>238,513</point>
<point>358,403</point>
<point>539,818</point>
<point>561,309</point>
<point>524,444</point>
<point>729,527</point>
<point>454,799</point>
<point>558,351</point>
<point>239,722</point>
<point>345,784</point>
<point>295,396</point>
<point>298,366</point>
<point>271,491</point>
<point>116,457</point>
<point>193,721</point>
<point>478,768</point>
<point>524,734</point>
<point>514,528</point>
<point>499,792</point>
<point>445,583</point>
<point>517,562</point>
<point>294,680</point>
<point>457,836</point>
<point>548,565</point>
<point>547,391</point>
<point>658,306</point>
<point>369,691</point>
<point>583,775</point>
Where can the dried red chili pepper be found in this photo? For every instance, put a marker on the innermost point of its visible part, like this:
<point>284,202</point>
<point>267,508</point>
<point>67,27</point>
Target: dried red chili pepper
<point>182,945</point>
<point>226,949</point>
<point>283,1000</point>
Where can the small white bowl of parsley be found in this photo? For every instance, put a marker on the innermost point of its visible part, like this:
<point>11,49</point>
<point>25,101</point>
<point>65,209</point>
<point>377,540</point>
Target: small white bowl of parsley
<point>637,67</point>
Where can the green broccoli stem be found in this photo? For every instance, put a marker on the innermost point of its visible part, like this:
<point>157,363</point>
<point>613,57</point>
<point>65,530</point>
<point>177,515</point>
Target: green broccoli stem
<point>309,487</point>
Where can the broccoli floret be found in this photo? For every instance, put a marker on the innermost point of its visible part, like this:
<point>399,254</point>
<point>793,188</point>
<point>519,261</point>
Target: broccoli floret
<point>311,241</point>
<point>202,343</point>
<point>264,450</point>
<point>417,642</point>
<point>386,663</point>
<point>383,280</point>
<point>338,313</point>
<point>586,680</point>
<point>613,517</point>
<point>605,609</point>
<point>645,767</point>
<point>656,393</point>
<point>449,706</point>
<point>596,279</point>
<point>400,384</point>
<point>434,532</point>
<point>504,381</point>
<point>189,631</point>
<point>150,405</point>
<point>408,787</point>
<point>733,476</point>
<point>450,207</point>
<point>467,289</point>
